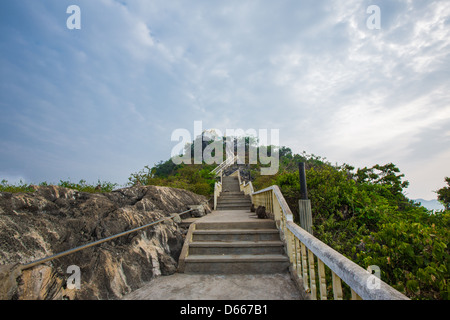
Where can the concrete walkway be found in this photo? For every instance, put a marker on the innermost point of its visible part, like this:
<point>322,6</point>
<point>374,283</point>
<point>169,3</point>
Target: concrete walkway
<point>181,286</point>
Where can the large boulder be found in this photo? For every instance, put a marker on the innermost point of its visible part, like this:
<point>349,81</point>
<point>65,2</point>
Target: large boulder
<point>54,219</point>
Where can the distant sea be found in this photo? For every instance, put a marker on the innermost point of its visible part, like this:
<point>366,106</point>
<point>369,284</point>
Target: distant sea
<point>430,204</point>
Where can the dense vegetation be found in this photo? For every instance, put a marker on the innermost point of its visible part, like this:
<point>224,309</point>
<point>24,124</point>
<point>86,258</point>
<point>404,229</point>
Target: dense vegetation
<point>361,213</point>
<point>364,215</point>
<point>196,177</point>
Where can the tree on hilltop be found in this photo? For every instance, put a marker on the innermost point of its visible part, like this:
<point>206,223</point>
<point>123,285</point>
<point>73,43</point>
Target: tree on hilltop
<point>444,194</point>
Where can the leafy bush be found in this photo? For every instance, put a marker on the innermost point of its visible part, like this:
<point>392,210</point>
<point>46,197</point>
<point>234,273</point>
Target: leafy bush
<point>84,187</point>
<point>444,194</point>
<point>195,178</point>
<point>413,258</point>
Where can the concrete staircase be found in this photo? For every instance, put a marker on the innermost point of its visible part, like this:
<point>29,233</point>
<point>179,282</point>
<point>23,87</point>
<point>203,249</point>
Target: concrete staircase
<point>232,240</point>
<point>239,247</point>
<point>231,198</point>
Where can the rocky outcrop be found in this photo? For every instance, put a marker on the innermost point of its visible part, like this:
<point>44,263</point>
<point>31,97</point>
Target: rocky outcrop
<point>54,219</point>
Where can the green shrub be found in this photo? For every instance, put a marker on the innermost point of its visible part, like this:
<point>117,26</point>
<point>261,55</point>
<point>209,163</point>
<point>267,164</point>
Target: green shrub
<point>83,186</point>
<point>5,186</point>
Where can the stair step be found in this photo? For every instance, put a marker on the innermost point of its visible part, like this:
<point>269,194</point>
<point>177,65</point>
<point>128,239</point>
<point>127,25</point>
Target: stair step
<point>231,203</point>
<point>237,200</point>
<point>221,208</point>
<point>256,224</point>
<point>230,258</point>
<point>234,202</point>
<point>234,206</point>
<point>231,199</point>
<point>236,247</point>
<point>236,235</point>
<point>242,206</point>
<point>234,197</point>
<point>233,264</point>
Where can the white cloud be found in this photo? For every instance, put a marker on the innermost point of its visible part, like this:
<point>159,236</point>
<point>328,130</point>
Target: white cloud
<point>137,70</point>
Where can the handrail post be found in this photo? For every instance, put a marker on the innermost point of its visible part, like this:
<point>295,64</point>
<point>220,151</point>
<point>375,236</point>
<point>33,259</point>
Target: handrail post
<point>302,176</point>
<point>304,204</point>
<point>217,190</point>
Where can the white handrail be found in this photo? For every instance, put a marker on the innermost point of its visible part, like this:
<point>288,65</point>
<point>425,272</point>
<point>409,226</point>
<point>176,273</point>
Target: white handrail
<point>225,164</point>
<point>352,274</point>
<point>230,159</point>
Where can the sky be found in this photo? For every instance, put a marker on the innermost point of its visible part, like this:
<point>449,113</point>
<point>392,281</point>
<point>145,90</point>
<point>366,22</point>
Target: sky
<point>102,101</point>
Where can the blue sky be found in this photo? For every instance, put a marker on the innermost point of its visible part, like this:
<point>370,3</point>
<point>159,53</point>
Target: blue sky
<point>102,102</point>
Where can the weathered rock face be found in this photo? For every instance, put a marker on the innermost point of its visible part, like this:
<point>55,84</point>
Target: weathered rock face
<point>54,219</point>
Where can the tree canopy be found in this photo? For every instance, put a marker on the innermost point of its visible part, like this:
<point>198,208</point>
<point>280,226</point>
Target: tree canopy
<point>444,194</point>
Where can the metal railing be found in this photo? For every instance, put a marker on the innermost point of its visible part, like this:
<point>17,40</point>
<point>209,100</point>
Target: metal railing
<point>94,243</point>
<point>308,254</point>
<point>225,164</point>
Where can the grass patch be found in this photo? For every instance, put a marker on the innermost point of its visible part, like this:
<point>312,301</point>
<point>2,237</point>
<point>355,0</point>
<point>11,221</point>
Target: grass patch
<point>82,186</point>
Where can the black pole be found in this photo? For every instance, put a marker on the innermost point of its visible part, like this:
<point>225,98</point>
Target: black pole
<point>302,174</point>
